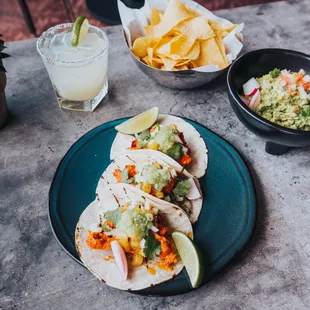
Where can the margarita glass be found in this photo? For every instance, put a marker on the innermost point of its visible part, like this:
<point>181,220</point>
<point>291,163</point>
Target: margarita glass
<point>78,74</point>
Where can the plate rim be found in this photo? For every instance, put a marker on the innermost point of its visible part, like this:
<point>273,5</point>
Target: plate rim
<point>215,274</point>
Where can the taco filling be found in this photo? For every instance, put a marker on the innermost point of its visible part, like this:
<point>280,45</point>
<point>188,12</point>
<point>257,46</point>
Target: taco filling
<point>140,232</point>
<point>160,181</point>
<point>167,139</point>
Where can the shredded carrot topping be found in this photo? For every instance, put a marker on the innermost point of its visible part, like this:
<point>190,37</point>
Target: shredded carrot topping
<point>118,175</point>
<point>163,231</point>
<point>185,160</point>
<point>99,241</point>
<point>131,170</point>
<point>167,255</point>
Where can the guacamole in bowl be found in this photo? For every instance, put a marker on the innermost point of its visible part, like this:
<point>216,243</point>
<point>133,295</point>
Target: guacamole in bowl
<point>282,97</point>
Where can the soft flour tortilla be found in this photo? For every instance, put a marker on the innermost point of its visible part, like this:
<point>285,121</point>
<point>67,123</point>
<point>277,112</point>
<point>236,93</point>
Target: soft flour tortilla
<point>100,262</point>
<point>139,157</point>
<point>196,144</point>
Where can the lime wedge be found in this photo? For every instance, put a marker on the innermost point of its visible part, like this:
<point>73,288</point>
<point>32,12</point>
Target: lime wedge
<point>190,256</point>
<point>139,123</point>
<point>79,31</point>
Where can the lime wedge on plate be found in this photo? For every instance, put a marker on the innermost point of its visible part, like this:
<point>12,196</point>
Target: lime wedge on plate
<point>190,256</point>
<point>79,31</point>
<point>139,123</point>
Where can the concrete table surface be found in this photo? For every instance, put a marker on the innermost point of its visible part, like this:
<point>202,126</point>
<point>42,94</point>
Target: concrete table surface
<point>273,272</point>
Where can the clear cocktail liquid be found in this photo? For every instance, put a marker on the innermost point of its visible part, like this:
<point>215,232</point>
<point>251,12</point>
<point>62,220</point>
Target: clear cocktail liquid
<point>78,74</point>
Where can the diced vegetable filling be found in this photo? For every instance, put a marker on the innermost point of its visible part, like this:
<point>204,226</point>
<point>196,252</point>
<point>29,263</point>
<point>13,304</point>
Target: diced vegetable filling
<point>140,231</point>
<point>161,182</point>
<point>166,139</point>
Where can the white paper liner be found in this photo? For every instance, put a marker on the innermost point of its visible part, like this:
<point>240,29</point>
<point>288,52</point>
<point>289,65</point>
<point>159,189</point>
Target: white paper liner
<point>134,21</point>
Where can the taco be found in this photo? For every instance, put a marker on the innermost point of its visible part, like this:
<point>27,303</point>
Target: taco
<point>126,242</point>
<point>160,178</point>
<point>172,136</point>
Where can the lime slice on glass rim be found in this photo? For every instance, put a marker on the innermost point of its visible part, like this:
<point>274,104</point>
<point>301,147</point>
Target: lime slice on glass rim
<point>139,122</point>
<point>190,257</point>
<point>79,31</point>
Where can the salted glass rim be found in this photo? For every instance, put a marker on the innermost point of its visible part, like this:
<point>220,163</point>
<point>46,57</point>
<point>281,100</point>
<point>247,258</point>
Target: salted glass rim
<point>53,61</point>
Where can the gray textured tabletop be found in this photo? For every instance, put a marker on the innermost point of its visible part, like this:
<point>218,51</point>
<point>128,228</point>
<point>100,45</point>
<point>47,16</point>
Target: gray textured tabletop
<point>273,272</point>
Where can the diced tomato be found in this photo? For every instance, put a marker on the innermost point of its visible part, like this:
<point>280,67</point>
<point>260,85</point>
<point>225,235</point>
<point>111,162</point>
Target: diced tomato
<point>131,170</point>
<point>285,78</point>
<point>118,175</point>
<point>298,76</point>
<point>185,160</point>
<point>134,145</point>
<point>168,188</point>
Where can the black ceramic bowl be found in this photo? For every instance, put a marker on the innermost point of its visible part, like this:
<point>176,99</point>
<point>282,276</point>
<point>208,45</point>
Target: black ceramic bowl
<point>255,64</point>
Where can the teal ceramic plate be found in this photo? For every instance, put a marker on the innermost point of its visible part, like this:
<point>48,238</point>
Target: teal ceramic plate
<point>225,224</point>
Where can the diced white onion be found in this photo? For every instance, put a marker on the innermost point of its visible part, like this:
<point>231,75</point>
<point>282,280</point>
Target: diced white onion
<point>155,229</point>
<point>178,139</point>
<point>250,86</point>
<point>179,199</point>
<point>173,173</point>
<point>147,206</point>
<point>284,72</point>
<point>142,243</point>
<point>283,83</point>
<point>302,93</point>
<point>149,217</point>
<point>155,210</point>
<point>184,149</point>
<point>293,86</point>
<point>306,78</point>
<point>167,198</point>
<point>94,227</point>
<point>302,71</point>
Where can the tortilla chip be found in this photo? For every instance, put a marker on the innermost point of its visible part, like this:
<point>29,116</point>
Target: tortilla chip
<point>155,17</point>
<point>140,46</point>
<point>210,54</point>
<point>175,13</point>
<point>181,45</point>
<point>183,67</point>
<point>221,46</point>
<point>197,27</point>
<point>216,25</point>
<point>169,64</point>
<point>162,47</point>
<point>154,61</point>
<point>194,51</point>
<point>220,33</point>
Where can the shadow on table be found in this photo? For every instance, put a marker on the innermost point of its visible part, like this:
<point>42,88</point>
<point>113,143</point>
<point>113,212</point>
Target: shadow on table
<point>259,232</point>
